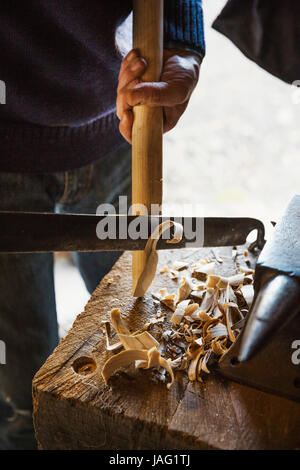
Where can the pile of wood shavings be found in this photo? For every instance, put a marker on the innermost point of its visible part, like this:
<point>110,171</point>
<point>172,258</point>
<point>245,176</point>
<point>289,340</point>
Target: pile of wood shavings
<point>208,314</point>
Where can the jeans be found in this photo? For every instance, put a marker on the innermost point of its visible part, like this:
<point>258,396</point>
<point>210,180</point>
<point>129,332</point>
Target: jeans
<point>28,322</point>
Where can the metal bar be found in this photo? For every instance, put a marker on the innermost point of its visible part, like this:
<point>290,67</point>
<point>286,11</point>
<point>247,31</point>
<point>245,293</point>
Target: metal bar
<point>22,232</point>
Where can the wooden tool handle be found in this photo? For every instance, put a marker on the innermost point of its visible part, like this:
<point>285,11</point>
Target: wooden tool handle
<point>148,122</point>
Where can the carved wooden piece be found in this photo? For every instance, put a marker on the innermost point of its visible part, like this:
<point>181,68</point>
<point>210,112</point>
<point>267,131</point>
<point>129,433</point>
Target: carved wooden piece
<point>148,122</point>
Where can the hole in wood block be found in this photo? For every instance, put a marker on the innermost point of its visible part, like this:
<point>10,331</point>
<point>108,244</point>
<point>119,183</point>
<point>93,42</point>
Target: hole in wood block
<point>84,365</point>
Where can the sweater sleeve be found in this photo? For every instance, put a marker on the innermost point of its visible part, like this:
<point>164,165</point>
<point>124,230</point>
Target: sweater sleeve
<point>183,25</point>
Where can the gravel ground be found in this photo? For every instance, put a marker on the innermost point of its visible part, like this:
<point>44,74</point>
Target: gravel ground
<point>235,152</point>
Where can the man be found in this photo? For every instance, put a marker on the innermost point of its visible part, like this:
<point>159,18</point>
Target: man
<point>61,150</point>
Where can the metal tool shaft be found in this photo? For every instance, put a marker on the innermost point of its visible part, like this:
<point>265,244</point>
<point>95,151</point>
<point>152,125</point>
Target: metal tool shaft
<point>277,283</point>
<point>43,232</point>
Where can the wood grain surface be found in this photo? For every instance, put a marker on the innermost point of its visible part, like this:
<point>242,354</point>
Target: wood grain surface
<point>136,411</point>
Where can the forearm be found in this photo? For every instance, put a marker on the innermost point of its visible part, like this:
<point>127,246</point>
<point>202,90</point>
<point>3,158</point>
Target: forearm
<point>184,50</point>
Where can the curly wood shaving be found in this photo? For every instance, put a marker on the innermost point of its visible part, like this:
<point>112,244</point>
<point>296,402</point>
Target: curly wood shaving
<point>204,363</point>
<point>208,313</point>
<point>192,372</point>
<point>203,316</point>
<point>140,348</point>
<point>146,360</point>
<point>155,359</point>
<point>193,350</point>
<point>209,323</point>
<point>124,358</point>
<point>217,347</point>
<point>217,331</point>
<point>118,323</point>
<point>248,279</point>
<point>148,273</point>
<point>207,317</point>
<point>229,325</point>
<point>199,368</point>
<point>141,341</point>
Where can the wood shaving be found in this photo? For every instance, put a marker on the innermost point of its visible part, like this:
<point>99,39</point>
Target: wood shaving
<point>207,313</point>
<point>169,300</point>
<point>180,265</point>
<point>248,294</point>
<point>185,289</point>
<point>164,270</point>
<point>212,280</point>
<point>140,349</point>
<point>197,295</point>
<point>109,347</point>
<point>204,318</point>
<point>201,272</point>
<point>148,273</point>
<point>173,274</point>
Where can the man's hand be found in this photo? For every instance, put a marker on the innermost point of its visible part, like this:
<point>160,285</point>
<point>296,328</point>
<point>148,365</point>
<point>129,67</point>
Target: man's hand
<point>179,77</point>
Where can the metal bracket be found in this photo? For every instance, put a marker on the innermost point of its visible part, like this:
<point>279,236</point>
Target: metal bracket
<point>274,369</point>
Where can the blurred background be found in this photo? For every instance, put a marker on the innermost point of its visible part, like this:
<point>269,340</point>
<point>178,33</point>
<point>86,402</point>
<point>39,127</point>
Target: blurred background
<point>235,152</point>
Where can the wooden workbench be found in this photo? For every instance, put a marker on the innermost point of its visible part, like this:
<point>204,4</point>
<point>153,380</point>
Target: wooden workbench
<point>74,411</point>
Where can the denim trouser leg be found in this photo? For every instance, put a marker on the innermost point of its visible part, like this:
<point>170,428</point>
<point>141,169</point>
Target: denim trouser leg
<point>28,323</point>
<point>108,179</point>
<point>93,266</point>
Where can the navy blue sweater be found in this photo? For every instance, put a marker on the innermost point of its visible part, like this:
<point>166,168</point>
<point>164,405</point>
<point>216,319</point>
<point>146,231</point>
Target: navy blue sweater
<point>60,64</point>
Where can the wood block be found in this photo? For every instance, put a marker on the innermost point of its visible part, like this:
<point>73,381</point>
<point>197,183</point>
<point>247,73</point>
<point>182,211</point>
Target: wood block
<point>79,411</point>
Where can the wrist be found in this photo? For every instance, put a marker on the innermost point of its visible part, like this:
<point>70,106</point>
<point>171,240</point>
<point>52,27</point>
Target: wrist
<point>197,58</point>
